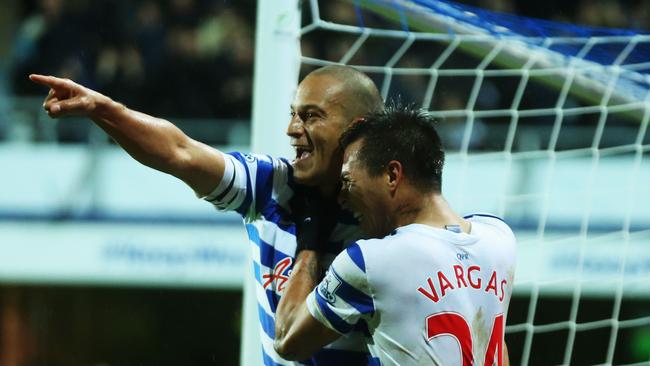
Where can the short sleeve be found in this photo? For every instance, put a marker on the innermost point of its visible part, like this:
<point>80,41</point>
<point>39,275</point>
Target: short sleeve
<point>249,182</point>
<point>343,297</point>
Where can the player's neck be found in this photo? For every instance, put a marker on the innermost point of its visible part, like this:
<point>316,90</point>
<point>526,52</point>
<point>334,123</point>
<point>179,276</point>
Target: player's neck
<point>329,190</point>
<point>329,184</point>
<point>432,210</point>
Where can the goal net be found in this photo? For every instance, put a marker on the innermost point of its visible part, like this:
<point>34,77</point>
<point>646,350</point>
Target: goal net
<point>545,124</point>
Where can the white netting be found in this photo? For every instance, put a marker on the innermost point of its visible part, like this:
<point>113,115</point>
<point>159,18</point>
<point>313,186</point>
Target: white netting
<point>548,131</point>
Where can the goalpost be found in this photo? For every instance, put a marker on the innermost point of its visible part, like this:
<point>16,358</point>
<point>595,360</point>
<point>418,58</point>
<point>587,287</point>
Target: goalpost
<point>545,124</point>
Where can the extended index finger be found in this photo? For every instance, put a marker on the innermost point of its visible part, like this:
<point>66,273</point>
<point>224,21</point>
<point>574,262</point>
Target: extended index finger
<point>49,81</point>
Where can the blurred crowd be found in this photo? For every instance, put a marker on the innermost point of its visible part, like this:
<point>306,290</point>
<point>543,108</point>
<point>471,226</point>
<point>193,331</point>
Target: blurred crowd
<point>194,58</point>
<point>179,58</point>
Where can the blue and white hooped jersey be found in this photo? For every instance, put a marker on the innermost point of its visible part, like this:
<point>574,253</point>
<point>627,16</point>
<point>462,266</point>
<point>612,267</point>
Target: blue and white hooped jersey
<point>426,296</point>
<point>259,188</point>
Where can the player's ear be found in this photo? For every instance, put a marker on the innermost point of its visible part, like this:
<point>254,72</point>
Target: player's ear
<point>394,174</point>
<point>356,120</point>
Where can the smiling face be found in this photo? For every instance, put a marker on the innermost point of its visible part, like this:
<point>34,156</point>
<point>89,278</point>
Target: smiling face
<point>368,197</point>
<point>318,118</point>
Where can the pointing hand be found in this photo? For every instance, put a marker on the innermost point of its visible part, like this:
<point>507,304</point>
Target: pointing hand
<point>67,98</point>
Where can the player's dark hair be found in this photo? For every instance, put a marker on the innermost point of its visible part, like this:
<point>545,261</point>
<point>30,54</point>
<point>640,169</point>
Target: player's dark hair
<point>402,133</point>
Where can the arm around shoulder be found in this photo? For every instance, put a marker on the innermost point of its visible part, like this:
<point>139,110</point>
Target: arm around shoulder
<point>298,335</point>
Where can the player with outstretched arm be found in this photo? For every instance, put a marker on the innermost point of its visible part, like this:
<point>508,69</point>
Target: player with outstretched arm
<point>434,287</point>
<point>266,191</point>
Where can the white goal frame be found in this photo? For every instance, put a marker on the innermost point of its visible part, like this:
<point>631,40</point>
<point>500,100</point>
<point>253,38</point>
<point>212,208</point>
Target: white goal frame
<point>607,89</point>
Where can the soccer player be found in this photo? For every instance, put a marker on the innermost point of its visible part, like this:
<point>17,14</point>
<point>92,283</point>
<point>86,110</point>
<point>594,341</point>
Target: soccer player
<point>434,287</point>
<point>258,187</point>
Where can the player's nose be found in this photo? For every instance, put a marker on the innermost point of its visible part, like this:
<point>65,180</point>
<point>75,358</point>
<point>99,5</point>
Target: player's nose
<point>295,127</point>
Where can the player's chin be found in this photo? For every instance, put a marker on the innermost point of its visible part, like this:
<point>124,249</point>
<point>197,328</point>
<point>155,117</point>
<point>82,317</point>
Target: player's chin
<point>304,175</point>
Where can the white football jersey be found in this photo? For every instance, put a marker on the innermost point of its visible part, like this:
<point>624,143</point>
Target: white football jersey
<point>425,296</point>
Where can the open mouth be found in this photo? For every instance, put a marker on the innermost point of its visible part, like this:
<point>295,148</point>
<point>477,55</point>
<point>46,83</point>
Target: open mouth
<point>302,153</point>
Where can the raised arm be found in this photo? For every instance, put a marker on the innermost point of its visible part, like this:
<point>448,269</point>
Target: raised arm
<point>154,142</point>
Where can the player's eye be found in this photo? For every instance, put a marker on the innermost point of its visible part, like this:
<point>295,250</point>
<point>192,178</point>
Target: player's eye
<point>346,185</point>
<point>308,116</point>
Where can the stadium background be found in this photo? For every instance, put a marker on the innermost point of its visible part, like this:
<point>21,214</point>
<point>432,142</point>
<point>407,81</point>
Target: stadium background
<point>104,262</point>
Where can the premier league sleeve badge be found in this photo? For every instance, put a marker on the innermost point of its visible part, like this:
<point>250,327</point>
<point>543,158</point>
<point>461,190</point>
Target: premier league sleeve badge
<point>329,285</point>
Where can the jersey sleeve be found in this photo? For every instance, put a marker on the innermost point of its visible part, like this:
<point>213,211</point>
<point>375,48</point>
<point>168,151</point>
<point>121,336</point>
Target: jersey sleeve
<point>343,298</point>
<point>249,182</point>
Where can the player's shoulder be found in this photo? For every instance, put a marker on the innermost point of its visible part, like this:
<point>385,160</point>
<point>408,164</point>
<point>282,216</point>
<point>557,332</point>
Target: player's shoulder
<point>253,158</point>
<point>367,245</point>
<point>263,166</point>
<point>490,220</point>
<point>357,254</point>
<point>368,250</point>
